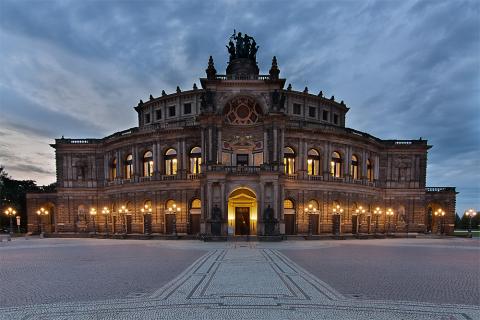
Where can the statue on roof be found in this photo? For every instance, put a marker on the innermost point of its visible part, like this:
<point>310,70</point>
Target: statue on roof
<point>242,46</point>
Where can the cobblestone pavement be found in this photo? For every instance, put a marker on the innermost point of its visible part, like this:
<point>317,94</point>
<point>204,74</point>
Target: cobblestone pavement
<point>246,280</point>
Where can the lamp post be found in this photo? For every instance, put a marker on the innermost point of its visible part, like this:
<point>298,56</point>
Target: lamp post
<point>310,210</point>
<point>360,211</point>
<point>470,213</point>
<point>10,212</point>
<point>337,211</point>
<point>123,211</point>
<point>174,210</point>
<point>440,213</point>
<point>40,213</point>
<point>93,213</point>
<point>106,212</point>
<point>389,214</point>
<point>377,212</point>
<point>146,210</point>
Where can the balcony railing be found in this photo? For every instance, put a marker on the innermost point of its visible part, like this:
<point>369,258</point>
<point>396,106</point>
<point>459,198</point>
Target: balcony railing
<point>440,189</point>
<point>242,77</point>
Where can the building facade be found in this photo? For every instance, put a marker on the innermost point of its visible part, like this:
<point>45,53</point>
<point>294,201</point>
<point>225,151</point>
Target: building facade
<point>242,155</point>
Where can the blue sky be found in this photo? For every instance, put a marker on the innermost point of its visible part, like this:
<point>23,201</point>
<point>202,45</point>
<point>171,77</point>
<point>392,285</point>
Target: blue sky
<point>407,69</point>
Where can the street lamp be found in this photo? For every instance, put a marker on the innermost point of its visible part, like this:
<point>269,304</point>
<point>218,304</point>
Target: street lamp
<point>10,213</point>
<point>93,213</point>
<point>310,210</point>
<point>440,213</point>
<point>40,213</point>
<point>106,212</point>
<point>337,211</point>
<point>470,213</point>
<point>389,214</point>
<point>174,210</point>
<point>377,212</point>
<point>123,211</point>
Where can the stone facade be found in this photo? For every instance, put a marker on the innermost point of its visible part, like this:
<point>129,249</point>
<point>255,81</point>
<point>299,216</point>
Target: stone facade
<point>215,160</point>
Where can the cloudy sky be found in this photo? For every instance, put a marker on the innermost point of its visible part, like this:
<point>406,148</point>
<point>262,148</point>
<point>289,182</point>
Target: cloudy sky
<point>407,69</point>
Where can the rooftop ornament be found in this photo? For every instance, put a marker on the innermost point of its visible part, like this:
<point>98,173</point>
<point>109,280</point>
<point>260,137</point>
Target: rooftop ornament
<point>244,47</point>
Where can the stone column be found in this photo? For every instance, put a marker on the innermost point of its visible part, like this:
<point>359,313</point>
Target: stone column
<point>265,147</point>
<point>275,144</point>
<point>210,146</point>
<point>219,145</point>
<point>119,165</point>
<point>184,155</point>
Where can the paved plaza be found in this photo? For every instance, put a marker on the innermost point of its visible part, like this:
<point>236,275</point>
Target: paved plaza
<point>148,279</point>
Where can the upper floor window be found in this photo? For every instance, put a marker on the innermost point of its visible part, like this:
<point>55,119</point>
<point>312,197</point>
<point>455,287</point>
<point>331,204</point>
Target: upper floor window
<point>335,118</point>
<point>148,164</point>
<point>171,162</point>
<point>195,160</point>
<point>171,111</point>
<point>312,112</point>
<point>187,108</point>
<point>242,110</point>
<point>325,115</point>
<point>297,108</point>
<point>147,118</point>
<point>158,114</point>
<point>369,170</point>
<point>289,160</point>
<point>336,165</point>
<point>313,162</point>
<point>113,169</point>
<point>354,167</point>
<point>129,167</point>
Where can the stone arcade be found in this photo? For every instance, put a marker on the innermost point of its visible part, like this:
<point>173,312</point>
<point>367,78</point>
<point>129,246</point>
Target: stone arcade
<point>242,155</point>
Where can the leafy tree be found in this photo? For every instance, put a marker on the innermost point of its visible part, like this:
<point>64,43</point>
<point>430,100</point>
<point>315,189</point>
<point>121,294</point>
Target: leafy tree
<point>13,194</point>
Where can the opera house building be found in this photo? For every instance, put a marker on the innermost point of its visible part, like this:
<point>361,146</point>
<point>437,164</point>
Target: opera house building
<point>242,154</point>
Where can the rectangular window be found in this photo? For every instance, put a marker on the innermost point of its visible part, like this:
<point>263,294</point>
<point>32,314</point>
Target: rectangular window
<point>171,111</point>
<point>312,112</point>
<point>158,114</point>
<point>335,118</point>
<point>187,108</point>
<point>242,159</point>
<point>297,108</point>
<point>147,118</point>
<point>325,115</point>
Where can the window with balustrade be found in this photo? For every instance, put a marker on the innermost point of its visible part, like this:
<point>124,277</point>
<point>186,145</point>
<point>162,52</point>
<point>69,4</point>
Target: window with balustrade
<point>313,162</point>
<point>148,164</point>
<point>113,169</point>
<point>336,165</point>
<point>289,160</point>
<point>354,170</point>
<point>195,160</point>
<point>171,162</point>
<point>129,167</point>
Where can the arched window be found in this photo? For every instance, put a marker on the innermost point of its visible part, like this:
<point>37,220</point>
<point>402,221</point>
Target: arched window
<point>354,167</point>
<point>195,160</point>
<point>171,162</point>
<point>170,206</point>
<point>289,160</point>
<point>369,170</point>
<point>313,162</point>
<point>242,110</point>
<point>312,204</point>
<point>196,204</point>
<point>113,169</point>
<point>129,167</point>
<point>148,164</point>
<point>336,165</point>
<point>288,204</point>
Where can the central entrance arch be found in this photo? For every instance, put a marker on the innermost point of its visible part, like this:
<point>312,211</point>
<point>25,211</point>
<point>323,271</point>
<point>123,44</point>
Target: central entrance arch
<point>242,212</point>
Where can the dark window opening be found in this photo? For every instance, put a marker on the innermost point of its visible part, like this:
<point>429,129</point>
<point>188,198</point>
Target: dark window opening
<point>335,118</point>
<point>242,159</point>
<point>297,109</point>
<point>147,118</point>
<point>311,112</point>
<point>325,115</point>
<point>158,114</point>
<point>187,108</point>
<point>171,111</point>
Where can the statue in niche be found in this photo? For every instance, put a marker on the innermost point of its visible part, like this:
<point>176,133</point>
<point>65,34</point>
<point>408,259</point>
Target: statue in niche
<point>278,100</point>
<point>270,221</point>
<point>216,213</point>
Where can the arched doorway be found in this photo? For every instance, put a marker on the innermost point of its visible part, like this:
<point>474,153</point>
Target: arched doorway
<point>290,217</point>
<point>195,213</point>
<point>242,212</point>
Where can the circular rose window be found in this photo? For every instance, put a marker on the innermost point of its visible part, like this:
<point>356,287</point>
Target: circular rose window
<point>242,110</point>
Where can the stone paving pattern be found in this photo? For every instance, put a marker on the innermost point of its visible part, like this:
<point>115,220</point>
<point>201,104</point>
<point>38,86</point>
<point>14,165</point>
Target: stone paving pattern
<point>249,280</point>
